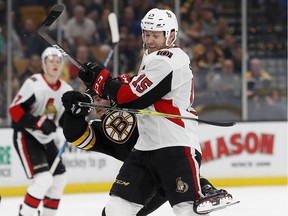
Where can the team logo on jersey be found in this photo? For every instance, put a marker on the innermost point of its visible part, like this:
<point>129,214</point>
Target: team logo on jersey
<point>118,126</point>
<point>165,53</point>
<point>181,186</point>
<point>50,110</point>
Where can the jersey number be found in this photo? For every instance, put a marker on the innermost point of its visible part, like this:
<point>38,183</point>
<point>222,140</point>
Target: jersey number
<point>142,83</point>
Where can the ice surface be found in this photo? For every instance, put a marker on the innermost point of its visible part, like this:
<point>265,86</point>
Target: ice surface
<point>254,201</point>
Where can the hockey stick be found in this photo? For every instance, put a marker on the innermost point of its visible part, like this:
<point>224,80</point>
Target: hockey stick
<point>155,113</point>
<point>113,24</point>
<point>58,157</point>
<point>42,31</point>
<point>51,18</point>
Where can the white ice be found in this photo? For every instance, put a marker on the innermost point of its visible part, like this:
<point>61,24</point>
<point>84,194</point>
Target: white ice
<point>254,201</point>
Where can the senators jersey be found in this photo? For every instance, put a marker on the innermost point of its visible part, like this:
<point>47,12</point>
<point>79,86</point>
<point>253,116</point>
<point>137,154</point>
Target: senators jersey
<point>35,98</point>
<point>115,134</point>
<point>165,84</point>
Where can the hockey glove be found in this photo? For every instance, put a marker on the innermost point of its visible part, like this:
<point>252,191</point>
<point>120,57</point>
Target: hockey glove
<point>70,100</point>
<point>46,125</point>
<point>95,77</point>
<point>124,78</point>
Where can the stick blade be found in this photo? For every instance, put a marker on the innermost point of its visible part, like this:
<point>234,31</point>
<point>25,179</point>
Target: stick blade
<point>53,15</point>
<point>113,23</point>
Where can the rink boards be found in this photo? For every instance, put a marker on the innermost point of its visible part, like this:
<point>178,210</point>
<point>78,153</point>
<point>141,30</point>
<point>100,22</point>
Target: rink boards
<point>245,154</point>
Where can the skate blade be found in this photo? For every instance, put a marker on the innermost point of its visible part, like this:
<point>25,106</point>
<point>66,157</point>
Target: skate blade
<point>221,205</point>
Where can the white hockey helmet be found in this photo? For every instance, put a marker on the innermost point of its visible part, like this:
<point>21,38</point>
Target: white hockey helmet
<point>49,52</point>
<point>160,20</point>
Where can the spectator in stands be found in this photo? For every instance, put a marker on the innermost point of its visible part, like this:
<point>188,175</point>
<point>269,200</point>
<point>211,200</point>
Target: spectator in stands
<point>31,41</point>
<point>237,59</point>
<point>227,83</point>
<point>93,9</point>
<point>104,34</point>
<point>80,26</point>
<point>16,45</point>
<point>222,29</point>
<point>132,52</point>
<point>194,32</point>
<point>33,68</point>
<point>210,60</point>
<point>229,46</point>
<point>209,22</point>
<point>130,21</point>
<point>257,77</point>
<point>207,43</point>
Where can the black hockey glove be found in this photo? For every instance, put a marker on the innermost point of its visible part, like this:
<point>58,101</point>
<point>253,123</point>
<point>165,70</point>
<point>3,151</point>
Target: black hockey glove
<point>95,77</point>
<point>46,125</point>
<point>70,100</point>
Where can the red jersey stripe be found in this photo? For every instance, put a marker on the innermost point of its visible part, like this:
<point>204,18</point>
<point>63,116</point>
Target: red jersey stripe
<point>193,170</point>
<point>165,106</point>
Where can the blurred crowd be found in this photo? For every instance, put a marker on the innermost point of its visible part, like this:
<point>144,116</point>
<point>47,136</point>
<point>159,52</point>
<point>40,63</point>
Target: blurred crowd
<point>206,34</point>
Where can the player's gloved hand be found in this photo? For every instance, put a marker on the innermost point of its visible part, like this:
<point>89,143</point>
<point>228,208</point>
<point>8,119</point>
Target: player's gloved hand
<point>70,100</point>
<point>95,77</point>
<point>46,125</point>
<point>124,78</point>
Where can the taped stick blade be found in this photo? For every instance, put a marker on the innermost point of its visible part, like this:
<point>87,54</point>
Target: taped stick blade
<point>113,23</point>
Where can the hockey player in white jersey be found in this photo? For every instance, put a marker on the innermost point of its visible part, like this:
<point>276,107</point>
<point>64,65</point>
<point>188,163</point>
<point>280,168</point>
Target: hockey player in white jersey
<point>167,152</point>
<point>36,112</point>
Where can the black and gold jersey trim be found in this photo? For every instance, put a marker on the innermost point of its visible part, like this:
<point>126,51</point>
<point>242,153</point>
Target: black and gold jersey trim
<point>87,140</point>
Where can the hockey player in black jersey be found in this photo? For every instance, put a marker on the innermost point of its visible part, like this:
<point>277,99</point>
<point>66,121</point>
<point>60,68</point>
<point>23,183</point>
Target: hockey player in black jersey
<point>115,134</point>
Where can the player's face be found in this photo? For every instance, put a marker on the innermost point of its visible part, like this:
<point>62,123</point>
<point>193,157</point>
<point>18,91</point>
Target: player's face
<point>100,101</point>
<point>53,66</point>
<point>154,40</point>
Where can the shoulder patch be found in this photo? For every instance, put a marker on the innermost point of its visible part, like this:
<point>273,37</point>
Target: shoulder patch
<point>165,53</point>
<point>118,126</point>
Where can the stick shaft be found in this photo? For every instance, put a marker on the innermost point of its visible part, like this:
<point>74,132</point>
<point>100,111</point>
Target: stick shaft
<point>155,113</point>
<point>58,158</point>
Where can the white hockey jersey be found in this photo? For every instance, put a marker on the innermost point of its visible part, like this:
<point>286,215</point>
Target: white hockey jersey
<point>168,71</point>
<point>41,99</point>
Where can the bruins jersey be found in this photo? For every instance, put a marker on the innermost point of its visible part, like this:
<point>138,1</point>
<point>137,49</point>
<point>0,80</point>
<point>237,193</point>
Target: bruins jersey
<point>115,134</point>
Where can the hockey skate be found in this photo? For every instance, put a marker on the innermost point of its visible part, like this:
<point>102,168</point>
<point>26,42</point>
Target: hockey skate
<point>212,200</point>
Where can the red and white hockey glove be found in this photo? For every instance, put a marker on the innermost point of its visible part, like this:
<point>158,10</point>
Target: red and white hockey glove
<point>46,125</point>
<point>95,77</point>
<point>124,78</point>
